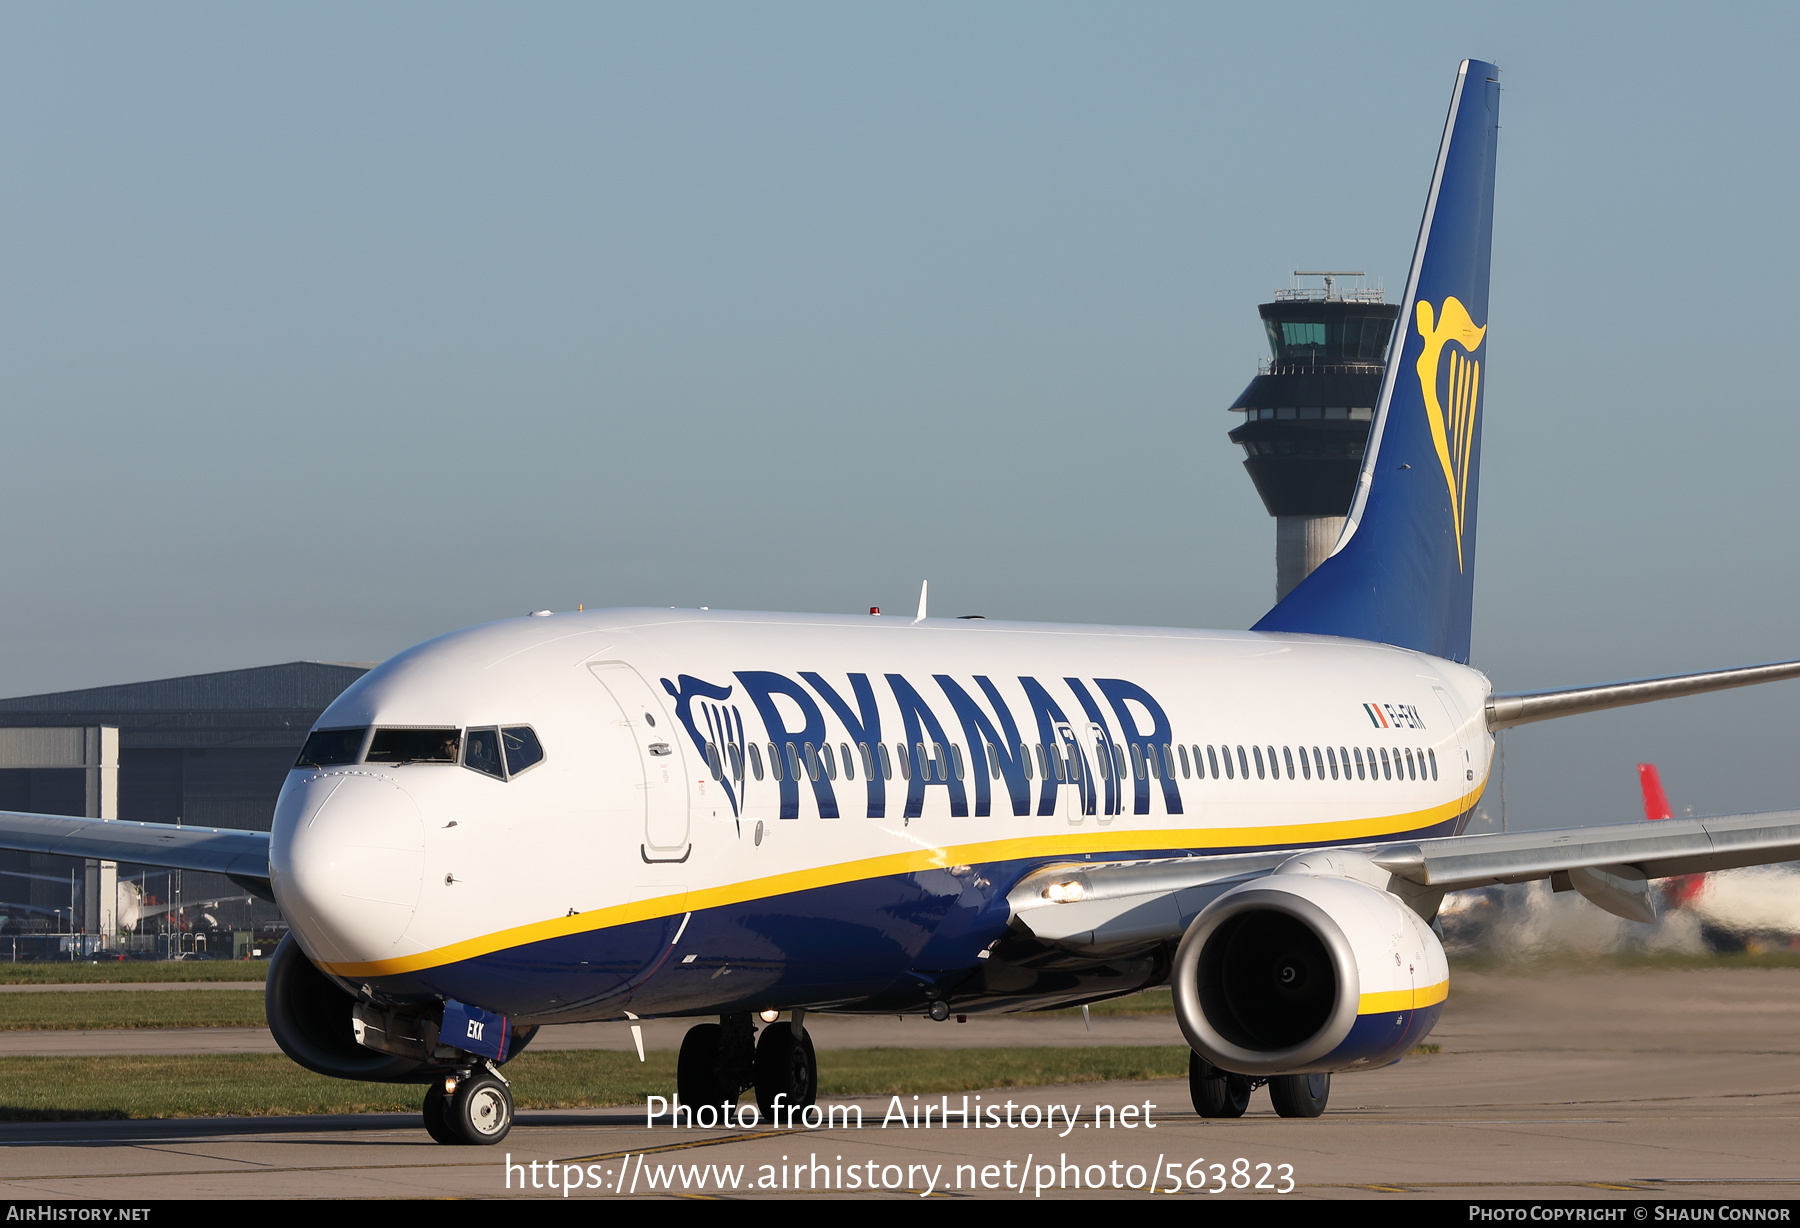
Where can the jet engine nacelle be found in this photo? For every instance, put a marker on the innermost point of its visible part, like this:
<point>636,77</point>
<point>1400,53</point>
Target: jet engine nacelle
<point>310,1017</point>
<point>1309,971</point>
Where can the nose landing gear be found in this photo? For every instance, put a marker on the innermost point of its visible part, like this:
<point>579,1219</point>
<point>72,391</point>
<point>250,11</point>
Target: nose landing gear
<point>470,1108</point>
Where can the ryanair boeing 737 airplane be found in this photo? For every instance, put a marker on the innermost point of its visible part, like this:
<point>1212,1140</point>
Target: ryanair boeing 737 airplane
<point>627,814</point>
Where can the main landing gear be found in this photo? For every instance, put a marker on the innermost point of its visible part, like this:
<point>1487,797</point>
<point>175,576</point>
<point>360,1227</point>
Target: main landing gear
<point>720,1061</point>
<point>1220,1093</point>
<point>473,1107</point>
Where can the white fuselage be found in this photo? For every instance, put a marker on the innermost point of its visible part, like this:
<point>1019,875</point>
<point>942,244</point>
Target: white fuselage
<point>648,807</point>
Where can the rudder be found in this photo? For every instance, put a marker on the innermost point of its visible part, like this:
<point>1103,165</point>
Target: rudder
<point>1403,570</point>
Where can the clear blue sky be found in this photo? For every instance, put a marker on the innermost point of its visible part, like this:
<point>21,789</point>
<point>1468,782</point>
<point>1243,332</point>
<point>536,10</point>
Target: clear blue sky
<point>324,330</point>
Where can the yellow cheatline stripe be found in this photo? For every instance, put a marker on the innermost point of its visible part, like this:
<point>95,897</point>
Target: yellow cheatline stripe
<point>1023,848</point>
<point>1403,999</point>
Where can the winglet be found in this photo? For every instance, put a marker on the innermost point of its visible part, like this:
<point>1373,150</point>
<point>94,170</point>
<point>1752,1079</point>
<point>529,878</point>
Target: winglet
<point>1656,802</point>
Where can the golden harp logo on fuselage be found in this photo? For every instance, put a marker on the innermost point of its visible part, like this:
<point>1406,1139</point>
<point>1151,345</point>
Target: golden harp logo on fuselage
<point>1452,425</point>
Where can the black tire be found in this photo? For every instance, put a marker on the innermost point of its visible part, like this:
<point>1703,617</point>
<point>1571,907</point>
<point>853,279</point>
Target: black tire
<point>786,1067</point>
<point>481,1111</point>
<point>1301,1095</point>
<point>1216,1093</point>
<point>697,1079</point>
<point>437,1123</point>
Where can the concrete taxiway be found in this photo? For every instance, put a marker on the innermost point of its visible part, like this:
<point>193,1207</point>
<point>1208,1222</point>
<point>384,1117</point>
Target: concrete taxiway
<point>1558,1084</point>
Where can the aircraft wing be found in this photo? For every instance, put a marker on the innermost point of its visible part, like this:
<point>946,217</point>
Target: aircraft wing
<point>1104,906</point>
<point>244,855</point>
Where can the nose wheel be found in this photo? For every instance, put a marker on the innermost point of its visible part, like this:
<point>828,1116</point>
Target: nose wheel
<point>470,1110</point>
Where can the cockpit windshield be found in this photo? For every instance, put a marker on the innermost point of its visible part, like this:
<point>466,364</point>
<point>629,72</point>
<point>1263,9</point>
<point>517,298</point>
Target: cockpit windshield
<point>415,746</point>
<point>330,747</point>
<point>498,751</point>
<point>502,753</point>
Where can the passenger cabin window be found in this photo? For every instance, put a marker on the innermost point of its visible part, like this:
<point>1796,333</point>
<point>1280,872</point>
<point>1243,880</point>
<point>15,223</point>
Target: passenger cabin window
<point>756,768</point>
<point>398,746</point>
<point>331,747</point>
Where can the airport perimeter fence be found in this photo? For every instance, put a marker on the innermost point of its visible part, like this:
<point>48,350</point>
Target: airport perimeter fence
<point>79,948</point>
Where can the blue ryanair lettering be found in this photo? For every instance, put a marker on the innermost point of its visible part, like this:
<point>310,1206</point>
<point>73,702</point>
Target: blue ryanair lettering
<point>1118,691</point>
<point>1115,797</point>
<point>762,686</point>
<point>864,726</point>
<point>922,726</point>
<point>982,735</point>
<point>1049,715</point>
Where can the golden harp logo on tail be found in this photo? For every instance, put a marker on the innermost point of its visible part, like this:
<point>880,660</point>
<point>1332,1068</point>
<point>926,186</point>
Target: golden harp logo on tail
<point>1452,423</point>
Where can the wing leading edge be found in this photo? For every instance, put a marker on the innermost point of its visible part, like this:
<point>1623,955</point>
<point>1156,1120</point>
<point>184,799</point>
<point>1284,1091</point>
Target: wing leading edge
<point>1108,907</point>
<point>243,855</point>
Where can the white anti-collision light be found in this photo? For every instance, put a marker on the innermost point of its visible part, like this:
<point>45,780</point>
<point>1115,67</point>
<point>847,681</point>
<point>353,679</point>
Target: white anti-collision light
<point>1064,893</point>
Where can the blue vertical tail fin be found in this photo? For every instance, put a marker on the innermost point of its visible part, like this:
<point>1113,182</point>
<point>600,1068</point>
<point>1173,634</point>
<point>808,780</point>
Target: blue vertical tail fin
<point>1403,570</point>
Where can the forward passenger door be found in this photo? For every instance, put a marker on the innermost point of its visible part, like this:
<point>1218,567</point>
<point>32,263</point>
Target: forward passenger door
<point>662,759</point>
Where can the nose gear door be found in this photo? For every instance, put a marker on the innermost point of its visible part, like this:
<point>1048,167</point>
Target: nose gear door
<point>660,757</point>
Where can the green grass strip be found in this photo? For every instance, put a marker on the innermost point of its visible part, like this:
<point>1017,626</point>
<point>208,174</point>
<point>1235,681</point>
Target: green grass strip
<point>130,972</point>
<point>255,1084</point>
<point>180,1008</point>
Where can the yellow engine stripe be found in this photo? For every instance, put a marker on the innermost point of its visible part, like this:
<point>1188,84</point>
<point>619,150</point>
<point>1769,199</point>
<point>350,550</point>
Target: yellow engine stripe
<point>1403,999</point>
<point>1111,840</point>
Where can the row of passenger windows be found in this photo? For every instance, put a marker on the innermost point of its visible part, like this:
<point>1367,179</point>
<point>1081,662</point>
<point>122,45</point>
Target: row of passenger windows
<point>935,761</point>
<point>493,751</point>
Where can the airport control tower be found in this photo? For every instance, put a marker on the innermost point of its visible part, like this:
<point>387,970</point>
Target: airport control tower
<point>1307,413</point>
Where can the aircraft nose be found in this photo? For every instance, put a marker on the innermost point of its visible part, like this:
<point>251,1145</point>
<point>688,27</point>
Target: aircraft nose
<point>346,859</point>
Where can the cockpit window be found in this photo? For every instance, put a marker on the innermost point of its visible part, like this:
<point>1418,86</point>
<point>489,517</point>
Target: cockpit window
<point>415,746</point>
<point>330,747</point>
<point>481,751</point>
<point>522,748</point>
